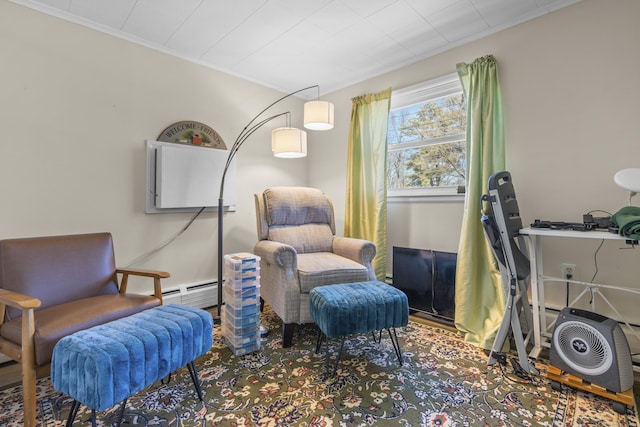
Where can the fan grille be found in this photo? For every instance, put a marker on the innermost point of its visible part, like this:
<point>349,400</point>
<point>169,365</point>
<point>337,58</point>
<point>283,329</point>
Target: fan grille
<point>583,348</point>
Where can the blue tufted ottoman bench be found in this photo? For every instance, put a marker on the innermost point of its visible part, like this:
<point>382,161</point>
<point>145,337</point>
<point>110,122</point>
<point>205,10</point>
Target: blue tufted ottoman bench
<point>356,308</point>
<point>104,365</point>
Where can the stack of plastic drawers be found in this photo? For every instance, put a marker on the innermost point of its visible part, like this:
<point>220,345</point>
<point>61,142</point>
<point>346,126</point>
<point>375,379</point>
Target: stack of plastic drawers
<point>241,312</point>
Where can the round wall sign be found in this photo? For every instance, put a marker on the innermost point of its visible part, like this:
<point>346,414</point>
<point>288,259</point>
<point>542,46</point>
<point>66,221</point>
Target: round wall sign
<point>192,133</point>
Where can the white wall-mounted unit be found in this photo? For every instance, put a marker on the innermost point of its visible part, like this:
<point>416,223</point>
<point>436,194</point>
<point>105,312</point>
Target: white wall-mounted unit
<point>183,178</point>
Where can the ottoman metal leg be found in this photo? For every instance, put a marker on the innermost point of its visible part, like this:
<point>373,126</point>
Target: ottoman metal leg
<point>319,340</point>
<point>73,412</point>
<point>335,365</point>
<point>121,415</point>
<point>395,342</point>
<point>193,372</point>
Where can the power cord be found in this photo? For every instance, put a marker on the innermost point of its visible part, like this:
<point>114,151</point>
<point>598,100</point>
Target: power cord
<point>521,374</point>
<point>166,243</point>
<point>569,276</point>
<point>595,260</point>
<point>518,371</point>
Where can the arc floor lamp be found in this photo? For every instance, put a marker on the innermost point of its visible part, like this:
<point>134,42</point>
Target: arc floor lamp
<point>287,142</point>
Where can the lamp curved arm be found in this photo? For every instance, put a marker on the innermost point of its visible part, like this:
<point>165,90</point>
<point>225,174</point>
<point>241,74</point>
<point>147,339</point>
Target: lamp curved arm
<point>248,126</point>
<point>246,132</point>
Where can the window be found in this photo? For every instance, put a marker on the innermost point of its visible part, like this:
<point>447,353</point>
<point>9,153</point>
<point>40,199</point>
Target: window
<point>426,140</point>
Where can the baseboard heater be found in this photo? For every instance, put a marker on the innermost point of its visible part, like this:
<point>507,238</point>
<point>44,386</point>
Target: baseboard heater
<point>428,278</point>
<point>199,295</point>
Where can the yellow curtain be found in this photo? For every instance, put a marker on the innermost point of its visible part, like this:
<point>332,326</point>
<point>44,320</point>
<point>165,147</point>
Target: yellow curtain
<point>366,204</point>
<point>480,299</point>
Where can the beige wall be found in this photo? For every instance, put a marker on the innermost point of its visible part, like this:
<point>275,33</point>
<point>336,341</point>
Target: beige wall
<point>570,90</point>
<point>77,106</point>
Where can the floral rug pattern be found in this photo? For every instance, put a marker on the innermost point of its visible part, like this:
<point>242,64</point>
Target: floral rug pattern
<point>443,382</point>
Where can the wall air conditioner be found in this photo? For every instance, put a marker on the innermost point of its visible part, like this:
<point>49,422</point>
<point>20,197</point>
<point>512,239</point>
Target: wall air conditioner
<point>199,295</point>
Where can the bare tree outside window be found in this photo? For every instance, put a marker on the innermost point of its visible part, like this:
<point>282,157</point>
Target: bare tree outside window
<point>426,144</point>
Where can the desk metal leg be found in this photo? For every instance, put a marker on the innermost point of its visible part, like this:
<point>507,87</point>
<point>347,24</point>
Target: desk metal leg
<point>541,282</point>
<point>537,292</point>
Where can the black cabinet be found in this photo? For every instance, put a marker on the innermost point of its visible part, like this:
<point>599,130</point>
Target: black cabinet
<point>428,278</point>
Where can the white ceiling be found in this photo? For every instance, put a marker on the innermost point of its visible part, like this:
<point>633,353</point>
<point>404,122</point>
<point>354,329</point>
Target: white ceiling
<point>289,44</point>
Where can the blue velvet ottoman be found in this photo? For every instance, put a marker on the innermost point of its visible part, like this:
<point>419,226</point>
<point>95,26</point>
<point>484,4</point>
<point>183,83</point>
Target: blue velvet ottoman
<point>356,308</point>
<point>104,365</point>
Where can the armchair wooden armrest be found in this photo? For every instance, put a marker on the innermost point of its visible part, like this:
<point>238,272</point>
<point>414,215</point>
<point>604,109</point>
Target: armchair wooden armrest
<point>18,300</point>
<point>156,275</point>
<point>25,352</point>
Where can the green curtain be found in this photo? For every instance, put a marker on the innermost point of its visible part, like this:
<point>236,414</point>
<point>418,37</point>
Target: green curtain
<point>366,204</point>
<point>480,299</point>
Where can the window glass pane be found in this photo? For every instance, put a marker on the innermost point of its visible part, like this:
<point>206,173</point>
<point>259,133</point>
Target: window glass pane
<point>398,122</point>
<point>397,172</point>
<point>436,165</point>
<point>431,119</point>
<point>426,143</point>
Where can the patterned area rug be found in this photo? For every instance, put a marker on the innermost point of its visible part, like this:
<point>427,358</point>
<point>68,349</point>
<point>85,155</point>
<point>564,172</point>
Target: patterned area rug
<point>442,382</point>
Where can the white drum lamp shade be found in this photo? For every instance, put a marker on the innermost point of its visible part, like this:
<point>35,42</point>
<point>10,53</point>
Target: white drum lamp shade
<point>289,142</point>
<point>318,115</point>
<point>629,179</point>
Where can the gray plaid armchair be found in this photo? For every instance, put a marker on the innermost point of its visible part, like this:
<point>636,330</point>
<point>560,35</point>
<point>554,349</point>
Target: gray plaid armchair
<point>299,251</point>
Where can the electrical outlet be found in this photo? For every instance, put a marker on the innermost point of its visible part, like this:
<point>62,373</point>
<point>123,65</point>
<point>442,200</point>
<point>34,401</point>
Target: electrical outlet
<point>568,271</point>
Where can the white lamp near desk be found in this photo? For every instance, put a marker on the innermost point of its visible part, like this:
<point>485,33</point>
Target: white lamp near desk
<point>629,179</point>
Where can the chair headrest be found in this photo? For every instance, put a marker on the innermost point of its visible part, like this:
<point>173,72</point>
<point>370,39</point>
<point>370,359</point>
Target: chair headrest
<point>297,206</point>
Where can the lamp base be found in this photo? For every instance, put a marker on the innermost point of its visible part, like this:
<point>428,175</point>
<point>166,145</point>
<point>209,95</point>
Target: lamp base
<point>263,331</point>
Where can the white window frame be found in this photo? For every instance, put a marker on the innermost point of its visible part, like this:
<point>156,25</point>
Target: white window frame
<point>418,93</point>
